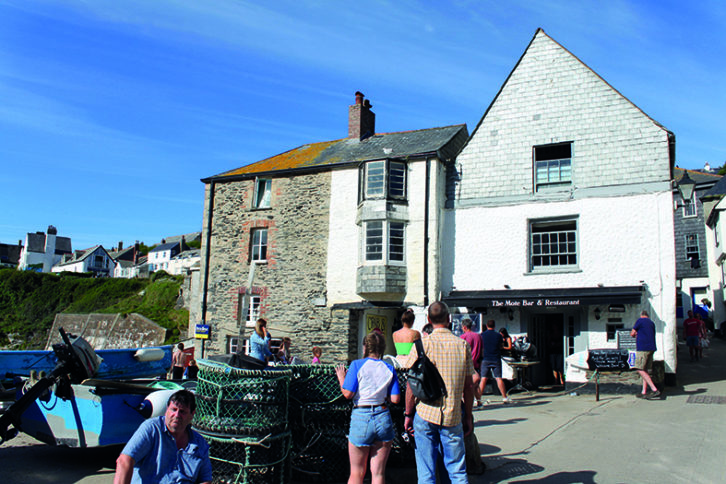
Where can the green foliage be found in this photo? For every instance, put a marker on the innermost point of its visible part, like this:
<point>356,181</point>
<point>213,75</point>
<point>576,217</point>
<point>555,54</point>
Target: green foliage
<point>195,244</point>
<point>722,170</point>
<point>29,301</point>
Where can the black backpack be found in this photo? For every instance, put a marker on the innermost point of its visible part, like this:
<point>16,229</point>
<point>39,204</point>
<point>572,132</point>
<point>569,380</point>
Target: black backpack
<point>424,378</point>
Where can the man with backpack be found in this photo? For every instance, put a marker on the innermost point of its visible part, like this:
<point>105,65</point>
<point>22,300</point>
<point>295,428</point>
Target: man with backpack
<point>438,426</point>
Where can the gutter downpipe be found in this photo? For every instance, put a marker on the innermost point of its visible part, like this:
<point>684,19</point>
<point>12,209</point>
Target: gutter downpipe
<point>427,196</point>
<point>207,256</point>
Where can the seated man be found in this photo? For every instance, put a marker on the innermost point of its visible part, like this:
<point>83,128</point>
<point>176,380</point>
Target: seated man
<point>165,449</point>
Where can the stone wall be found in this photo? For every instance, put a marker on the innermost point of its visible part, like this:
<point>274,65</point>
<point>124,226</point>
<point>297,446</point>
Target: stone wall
<point>291,284</point>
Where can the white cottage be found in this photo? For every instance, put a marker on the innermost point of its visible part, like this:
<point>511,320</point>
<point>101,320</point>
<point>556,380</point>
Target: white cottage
<point>561,212</point>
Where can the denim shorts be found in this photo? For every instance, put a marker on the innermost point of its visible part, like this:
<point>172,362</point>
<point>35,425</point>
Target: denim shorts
<point>369,425</point>
<point>495,366</point>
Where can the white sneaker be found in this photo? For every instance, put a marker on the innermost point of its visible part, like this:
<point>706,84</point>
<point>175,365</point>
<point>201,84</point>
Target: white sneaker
<point>506,400</point>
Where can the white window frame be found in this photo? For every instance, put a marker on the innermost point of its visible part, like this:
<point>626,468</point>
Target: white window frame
<point>692,245</point>
<point>253,312</point>
<point>391,242</point>
<point>690,207</point>
<point>258,248</point>
<point>263,193</point>
<point>542,247</point>
<point>549,171</point>
<point>232,344</point>
<point>383,179</point>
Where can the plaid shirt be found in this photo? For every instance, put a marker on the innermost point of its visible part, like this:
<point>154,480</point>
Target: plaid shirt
<point>452,357</point>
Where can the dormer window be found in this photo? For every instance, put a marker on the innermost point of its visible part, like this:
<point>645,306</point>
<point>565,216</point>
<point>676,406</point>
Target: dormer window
<point>383,179</point>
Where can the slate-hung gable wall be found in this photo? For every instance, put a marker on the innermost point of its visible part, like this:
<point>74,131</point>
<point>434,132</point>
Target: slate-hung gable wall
<point>613,140</point>
<point>618,199</point>
<point>293,277</point>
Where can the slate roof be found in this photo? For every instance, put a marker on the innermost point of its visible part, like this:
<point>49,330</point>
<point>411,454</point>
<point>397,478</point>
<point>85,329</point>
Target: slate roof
<point>82,255</point>
<point>190,237</point>
<point>716,191</point>
<point>344,151</point>
<point>166,246</point>
<point>36,243</point>
<point>698,176</point>
<point>10,253</point>
<point>123,254</point>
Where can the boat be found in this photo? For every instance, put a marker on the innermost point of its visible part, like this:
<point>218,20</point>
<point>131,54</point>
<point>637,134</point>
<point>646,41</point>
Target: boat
<point>78,397</point>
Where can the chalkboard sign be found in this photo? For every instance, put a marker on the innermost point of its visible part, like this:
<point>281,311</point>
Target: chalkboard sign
<point>625,341</point>
<point>608,359</point>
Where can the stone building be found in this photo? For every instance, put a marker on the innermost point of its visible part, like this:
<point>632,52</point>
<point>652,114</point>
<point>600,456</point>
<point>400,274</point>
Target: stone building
<point>343,235</point>
<point>562,211</point>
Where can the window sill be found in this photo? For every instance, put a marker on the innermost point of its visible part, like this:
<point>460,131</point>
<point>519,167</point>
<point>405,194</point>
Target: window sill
<point>564,270</point>
<point>258,209</point>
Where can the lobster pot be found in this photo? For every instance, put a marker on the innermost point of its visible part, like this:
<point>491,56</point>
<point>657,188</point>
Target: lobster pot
<point>401,450</point>
<point>250,460</point>
<point>320,456</point>
<point>233,401</point>
<point>316,400</point>
<point>319,420</point>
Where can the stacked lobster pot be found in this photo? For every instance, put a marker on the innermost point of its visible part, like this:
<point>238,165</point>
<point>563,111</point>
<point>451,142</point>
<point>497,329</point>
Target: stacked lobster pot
<point>243,414</point>
<point>319,419</point>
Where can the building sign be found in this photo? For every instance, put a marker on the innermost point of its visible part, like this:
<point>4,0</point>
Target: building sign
<point>201,331</point>
<point>375,321</point>
<point>525,303</point>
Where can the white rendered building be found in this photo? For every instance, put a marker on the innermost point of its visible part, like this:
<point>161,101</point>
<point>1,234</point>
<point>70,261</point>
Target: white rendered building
<point>562,213</point>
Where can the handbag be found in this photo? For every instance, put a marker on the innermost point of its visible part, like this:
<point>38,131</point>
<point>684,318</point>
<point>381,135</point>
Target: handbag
<point>424,378</point>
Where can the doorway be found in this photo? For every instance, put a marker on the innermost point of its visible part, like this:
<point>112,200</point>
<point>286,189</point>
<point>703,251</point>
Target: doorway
<point>547,333</point>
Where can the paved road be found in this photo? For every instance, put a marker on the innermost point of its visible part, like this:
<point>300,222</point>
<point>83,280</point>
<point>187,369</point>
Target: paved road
<point>547,438</point>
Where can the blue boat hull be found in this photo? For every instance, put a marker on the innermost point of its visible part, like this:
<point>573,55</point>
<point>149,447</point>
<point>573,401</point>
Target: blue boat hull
<point>116,364</point>
<point>86,420</point>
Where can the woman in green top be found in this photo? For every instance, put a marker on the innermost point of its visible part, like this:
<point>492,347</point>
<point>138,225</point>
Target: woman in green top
<point>403,338</point>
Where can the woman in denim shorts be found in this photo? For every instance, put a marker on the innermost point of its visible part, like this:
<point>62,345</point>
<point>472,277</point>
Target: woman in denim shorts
<point>370,383</point>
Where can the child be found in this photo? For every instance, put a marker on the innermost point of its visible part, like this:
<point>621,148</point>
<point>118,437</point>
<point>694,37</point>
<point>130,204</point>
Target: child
<point>317,353</point>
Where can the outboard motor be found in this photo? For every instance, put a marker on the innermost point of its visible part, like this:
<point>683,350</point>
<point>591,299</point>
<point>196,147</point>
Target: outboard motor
<point>76,362</point>
<point>523,349</point>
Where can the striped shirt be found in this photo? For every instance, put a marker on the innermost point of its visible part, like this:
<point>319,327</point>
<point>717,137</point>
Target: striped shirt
<point>452,357</point>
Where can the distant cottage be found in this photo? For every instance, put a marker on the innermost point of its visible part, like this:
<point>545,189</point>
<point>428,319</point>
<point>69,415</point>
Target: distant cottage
<point>44,250</point>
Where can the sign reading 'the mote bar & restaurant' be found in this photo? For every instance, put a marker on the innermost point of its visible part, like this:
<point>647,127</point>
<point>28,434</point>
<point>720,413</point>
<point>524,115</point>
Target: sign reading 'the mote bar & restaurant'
<point>534,302</point>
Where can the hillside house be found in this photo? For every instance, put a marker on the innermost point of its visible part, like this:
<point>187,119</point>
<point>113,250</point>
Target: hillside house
<point>44,250</point>
<point>95,260</point>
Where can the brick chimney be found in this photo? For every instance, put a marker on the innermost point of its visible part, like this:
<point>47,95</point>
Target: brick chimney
<point>361,120</point>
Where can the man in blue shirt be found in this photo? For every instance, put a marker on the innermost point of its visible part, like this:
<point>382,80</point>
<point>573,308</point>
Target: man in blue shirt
<point>165,449</point>
<point>644,333</point>
<point>492,359</point>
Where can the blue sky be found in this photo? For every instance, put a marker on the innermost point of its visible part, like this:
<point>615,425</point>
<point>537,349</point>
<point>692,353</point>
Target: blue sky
<point>111,111</point>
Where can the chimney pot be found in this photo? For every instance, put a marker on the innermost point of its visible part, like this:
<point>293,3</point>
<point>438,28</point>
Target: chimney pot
<point>361,120</point>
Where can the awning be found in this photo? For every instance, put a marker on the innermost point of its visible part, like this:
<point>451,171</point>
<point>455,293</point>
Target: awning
<point>541,298</point>
<point>370,305</point>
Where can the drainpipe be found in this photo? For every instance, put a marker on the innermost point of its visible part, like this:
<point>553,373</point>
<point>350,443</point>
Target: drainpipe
<point>427,196</point>
<point>210,211</point>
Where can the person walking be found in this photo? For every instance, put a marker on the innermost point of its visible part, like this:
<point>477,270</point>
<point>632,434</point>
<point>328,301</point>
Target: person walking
<point>474,340</point>
<point>492,342</point>
<point>370,383</point>
<point>260,342</point>
<point>692,335</point>
<point>438,427</point>
<point>644,333</point>
<point>177,362</point>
